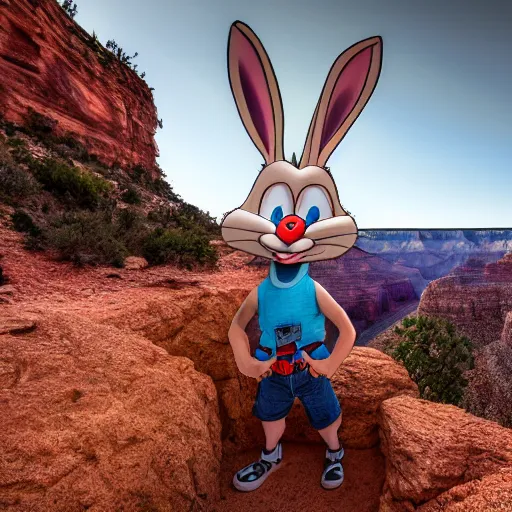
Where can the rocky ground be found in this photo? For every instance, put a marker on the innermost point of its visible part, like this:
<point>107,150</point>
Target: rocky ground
<point>118,391</point>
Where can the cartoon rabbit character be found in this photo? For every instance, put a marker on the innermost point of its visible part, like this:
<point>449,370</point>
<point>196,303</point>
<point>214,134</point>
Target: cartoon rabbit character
<point>293,216</point>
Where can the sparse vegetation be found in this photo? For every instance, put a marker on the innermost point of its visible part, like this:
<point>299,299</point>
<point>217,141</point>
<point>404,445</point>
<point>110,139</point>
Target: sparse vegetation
<point>131,196</point>
<point>178,246</point>
<point>16,184</point>
<point>71,210</point>
<point>435,357</point>
<point>70,8</point>
<point>23,222</point>
<point>70,183</point>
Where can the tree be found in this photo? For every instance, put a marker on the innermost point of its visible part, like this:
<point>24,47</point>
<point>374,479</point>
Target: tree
<point>435,356</point>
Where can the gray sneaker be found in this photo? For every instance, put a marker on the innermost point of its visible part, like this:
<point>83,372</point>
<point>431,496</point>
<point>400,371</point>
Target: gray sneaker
<point>333,475</point>
<point>253,475</point>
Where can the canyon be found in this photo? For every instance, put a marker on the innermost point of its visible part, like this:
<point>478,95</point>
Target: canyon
<point>436,252</point>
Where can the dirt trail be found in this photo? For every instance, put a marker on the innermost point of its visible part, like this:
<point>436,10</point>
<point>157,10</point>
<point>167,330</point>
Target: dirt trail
<point>296,485</point>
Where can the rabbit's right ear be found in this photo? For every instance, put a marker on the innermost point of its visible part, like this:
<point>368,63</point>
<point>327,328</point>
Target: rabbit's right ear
<point>256,92</point>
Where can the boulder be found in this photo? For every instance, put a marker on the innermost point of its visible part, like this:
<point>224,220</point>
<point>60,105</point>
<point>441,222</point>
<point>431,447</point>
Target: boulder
<point>16,324</point>
<point>96,418</point>
<point>431,448</point>
<point>135,263</point>
<point>491,493</point>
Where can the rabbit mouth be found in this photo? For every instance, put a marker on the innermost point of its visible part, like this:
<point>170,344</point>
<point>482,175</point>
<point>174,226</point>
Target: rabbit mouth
<point>287,257</point>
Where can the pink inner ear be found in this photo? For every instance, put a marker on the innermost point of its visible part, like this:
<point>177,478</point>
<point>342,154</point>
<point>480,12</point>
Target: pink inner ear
<point>256,90</point>
<point>347,90</point>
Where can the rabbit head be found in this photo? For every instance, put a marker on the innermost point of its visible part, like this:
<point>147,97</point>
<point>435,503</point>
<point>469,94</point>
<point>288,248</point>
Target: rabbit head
<point>293,212</point>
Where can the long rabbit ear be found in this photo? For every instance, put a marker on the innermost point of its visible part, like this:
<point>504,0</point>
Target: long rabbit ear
<point>256,92</point>
<point>348,88</point>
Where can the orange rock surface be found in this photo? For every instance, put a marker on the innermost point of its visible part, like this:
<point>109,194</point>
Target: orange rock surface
<point>431,448</point>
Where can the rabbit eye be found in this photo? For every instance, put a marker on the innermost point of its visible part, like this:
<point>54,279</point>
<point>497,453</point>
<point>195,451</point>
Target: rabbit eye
<point>277,203</point>
<point>314,205</point>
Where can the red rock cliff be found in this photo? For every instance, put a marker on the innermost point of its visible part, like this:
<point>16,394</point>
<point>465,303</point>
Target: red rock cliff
<point>49,63</point>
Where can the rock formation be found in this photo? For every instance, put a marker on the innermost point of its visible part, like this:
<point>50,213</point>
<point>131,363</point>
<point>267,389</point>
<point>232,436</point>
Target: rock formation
<point>96,418</point>
<point>50,64</point>
<point>438,454</point>
<point>476,303</point>
<point>194,323</point>
<point>95,415</point>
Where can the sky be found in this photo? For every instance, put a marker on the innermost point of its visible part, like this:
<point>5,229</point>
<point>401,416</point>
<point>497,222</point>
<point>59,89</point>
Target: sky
<point>432,148</point>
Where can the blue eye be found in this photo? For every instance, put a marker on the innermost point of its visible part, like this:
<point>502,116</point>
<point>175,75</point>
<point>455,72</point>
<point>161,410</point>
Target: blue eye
<point>312,216</point>
<point>277,215</point>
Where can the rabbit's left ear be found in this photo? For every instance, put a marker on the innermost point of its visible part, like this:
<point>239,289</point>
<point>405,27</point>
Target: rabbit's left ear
<point>256,92</point>
<point>348,88</point>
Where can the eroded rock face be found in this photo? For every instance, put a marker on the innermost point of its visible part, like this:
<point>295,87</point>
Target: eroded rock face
<point>49,63</point>
<point>491,493</point>
<point>489,390</point>
<point>431,448</point>
<point>506,334</point>
<point>96,418</point>
<point>477,303</point>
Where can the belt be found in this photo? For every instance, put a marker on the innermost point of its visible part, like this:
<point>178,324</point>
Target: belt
<point>290,361</point>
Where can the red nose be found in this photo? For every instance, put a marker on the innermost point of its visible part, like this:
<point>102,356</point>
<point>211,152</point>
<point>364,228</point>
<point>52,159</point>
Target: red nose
<point>290,229</point>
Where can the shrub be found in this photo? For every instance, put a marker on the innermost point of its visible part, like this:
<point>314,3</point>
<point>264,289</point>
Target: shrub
<point>435,356</point>
<point>70,8</point>
<point>177,246</point>
<point>188,216</point>
<point>79,188</point>
<point>86,238</point>
<point>16,183</point>
<point>23,222</point>
<point>99,237</point>
<point>131,196</point>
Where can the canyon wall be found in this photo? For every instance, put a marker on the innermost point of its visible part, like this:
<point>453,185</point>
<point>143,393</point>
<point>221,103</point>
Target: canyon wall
<point>436,252</point>
<point>50,64</point>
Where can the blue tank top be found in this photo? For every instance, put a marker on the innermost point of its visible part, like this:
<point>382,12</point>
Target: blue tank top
<point>288,311</point>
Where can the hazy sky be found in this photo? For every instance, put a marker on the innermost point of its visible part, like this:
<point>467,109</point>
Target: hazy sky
<point>433,147</point>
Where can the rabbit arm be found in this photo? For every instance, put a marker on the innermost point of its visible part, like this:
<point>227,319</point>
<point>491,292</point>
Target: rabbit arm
<point>237,335</point>
<point>334,312</point>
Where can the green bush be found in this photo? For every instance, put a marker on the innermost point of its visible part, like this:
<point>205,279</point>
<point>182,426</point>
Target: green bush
<point>94,237</point>
<point>435,356</point>
<point>131,196</point>
<point>86,237</point>
<point>180,247</point>
<point>79,188</point>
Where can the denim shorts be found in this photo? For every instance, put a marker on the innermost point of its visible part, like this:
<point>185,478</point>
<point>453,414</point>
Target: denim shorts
<point>276,394</point>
